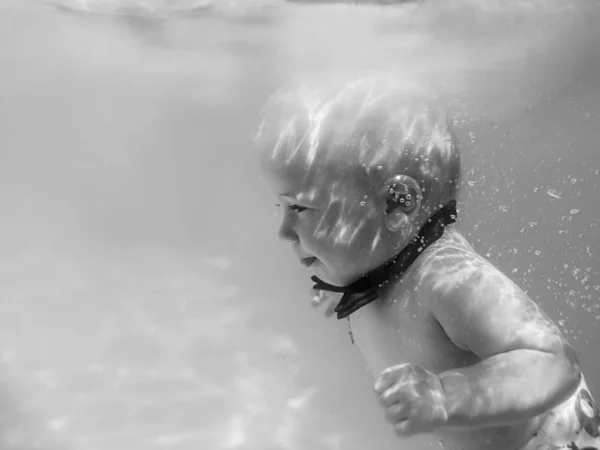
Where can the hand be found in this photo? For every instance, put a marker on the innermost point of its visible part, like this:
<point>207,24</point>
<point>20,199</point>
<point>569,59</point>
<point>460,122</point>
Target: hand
<point>413,399</point>
<point>325,298</point>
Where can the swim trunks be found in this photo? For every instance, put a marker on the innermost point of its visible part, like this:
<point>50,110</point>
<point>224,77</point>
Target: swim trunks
<point>573,425</point>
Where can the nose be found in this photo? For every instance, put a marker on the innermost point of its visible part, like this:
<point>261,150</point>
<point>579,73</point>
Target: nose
<point>286,232</point>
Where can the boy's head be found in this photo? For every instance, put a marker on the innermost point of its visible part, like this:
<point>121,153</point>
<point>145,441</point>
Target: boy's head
<point>358,171</point>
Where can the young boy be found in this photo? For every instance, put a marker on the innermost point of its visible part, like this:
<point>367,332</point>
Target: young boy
<point>368,177</point>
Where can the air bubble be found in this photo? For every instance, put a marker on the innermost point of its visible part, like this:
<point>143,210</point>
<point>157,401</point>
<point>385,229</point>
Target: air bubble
<point>363,203</point>
<point>553,193</point>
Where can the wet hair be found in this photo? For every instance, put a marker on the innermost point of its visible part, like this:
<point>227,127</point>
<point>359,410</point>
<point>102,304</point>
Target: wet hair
<point>377,126</point>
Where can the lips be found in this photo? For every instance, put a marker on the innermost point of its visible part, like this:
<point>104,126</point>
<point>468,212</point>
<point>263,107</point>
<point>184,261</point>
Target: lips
<point>307,262</point>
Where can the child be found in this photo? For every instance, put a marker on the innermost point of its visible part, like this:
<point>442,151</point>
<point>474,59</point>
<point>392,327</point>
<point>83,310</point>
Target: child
<point>368,177</point>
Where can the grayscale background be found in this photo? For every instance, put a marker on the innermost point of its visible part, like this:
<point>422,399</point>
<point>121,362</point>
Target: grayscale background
<point>145,302</point>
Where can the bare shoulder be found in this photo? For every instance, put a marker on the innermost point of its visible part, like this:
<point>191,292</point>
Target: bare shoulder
<point>479,308</point>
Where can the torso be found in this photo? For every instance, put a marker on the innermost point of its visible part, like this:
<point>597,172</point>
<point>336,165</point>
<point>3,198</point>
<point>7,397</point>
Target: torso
<point>397,329</point>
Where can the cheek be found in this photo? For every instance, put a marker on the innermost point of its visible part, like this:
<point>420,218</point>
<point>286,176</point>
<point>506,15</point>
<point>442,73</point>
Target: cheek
<point>326,222</point>
<point>345,226</point>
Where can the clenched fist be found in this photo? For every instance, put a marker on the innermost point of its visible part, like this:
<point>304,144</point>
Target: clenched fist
<point>413,399</point>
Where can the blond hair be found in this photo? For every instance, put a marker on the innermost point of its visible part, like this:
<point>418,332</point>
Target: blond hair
<point>380,125</point>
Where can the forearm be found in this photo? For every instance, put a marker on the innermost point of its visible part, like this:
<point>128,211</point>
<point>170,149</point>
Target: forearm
<point>508,388</point>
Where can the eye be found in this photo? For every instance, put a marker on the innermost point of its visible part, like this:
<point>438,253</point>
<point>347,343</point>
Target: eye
<point>297,208</point>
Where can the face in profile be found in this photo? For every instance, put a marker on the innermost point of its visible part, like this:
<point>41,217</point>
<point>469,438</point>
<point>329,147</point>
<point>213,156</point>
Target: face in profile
<point>330,161</point>
<point>330,219</point>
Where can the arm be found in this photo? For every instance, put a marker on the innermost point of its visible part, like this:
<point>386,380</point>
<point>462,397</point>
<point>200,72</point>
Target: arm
<point>527,366</point>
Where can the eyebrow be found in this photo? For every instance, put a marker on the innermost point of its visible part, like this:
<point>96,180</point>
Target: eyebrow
<point>296,198</point>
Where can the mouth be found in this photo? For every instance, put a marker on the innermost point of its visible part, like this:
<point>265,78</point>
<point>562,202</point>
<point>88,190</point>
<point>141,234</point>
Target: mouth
<point>307,262</point>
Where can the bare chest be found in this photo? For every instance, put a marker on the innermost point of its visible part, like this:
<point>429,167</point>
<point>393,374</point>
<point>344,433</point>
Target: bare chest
<point>398,330</point>
<point>401,330</point>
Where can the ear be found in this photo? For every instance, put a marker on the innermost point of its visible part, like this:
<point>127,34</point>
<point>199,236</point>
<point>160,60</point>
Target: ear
<point>400,198</point>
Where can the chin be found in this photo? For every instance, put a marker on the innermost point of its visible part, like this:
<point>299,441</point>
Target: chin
<point>321,271</point>
<point>335,279</point>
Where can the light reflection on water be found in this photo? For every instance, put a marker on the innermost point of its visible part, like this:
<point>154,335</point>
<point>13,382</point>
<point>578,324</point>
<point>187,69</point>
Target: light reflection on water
<point>145,302</point>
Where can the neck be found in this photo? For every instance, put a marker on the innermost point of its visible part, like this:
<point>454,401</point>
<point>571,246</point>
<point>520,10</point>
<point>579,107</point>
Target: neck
<point>365,289</point>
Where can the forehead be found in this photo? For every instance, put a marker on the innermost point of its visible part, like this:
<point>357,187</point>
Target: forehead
<point>309,177</point>
<point>294,176</point>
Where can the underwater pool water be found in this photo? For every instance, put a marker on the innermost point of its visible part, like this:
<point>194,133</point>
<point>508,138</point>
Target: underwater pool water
<point>144,299</point>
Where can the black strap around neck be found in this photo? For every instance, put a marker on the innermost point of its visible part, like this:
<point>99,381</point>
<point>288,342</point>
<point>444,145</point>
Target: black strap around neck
<point>365,290</point>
